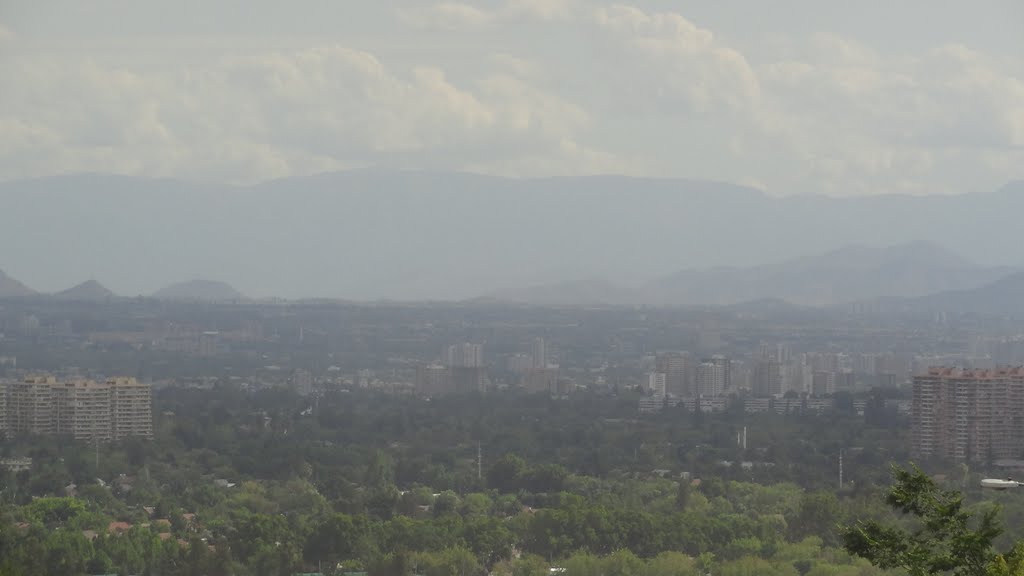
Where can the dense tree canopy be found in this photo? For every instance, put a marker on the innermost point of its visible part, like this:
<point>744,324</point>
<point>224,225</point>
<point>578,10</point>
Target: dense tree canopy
<point>268,483</point>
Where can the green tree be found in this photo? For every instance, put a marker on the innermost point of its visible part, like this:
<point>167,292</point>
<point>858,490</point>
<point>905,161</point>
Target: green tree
<point>819,515</point>
<point>1011,564</point>
<point>530,565</point>
<point>944,537</point>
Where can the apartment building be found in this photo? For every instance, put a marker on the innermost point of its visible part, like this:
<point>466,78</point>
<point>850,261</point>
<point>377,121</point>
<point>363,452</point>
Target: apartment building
<point>131,408</point>
<point>83,409</point>
<point>971,415</point>
<point>30,405</point>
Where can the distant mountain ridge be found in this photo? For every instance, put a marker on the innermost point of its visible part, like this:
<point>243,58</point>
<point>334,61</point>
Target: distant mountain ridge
<point>848,274</point>
<point>385,235</point>
<point>1004,296</point>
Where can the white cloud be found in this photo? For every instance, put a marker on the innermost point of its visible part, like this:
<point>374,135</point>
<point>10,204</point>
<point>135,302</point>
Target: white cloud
<point>500,87</point>
<point>446,16</point>
<point>545,10</point>
<point>258,116</point>
<point>458,16</point>
<point>682,61</point>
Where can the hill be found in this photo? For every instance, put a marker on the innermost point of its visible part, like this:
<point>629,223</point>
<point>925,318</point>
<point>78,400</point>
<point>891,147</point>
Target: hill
<point>11,288</point>
<point>88,291</point>
<point>852,273</point>
<point>205,290</point>
<point>1004,296</point>
<point>371,234</point>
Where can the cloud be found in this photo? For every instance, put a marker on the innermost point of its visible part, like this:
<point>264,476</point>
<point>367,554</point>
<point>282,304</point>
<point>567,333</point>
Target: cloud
<point>544,10</point>
<point>681,63</point>
<point>457,16</point>
<point>446,16</point>
<point>638,91</point>
<point>273,114</point>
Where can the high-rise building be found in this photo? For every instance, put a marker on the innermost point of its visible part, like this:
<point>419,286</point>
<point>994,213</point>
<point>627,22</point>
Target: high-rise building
<point>465,355</point>
<point>432,380</point>
<point>30,405</point>
<point>726,367</point>
<point>973,415</point>
<point>520,363</point>
<point>656,383</point>
<point>710,378</point>
<point>540,353</point>
<point>82,409</point>
<point>674,365</point>
<point>541,380</point>
<point>767,378</point>
<point>131,408</point>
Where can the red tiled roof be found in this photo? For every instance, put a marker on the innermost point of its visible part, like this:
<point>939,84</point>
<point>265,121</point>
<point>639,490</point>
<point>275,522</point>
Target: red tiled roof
<point>118,527</point>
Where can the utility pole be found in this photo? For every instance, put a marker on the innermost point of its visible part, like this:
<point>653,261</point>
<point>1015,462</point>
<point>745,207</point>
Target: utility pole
<point>479,463</point>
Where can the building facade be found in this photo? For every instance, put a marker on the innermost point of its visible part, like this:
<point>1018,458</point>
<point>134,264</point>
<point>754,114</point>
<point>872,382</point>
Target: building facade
<point>467,355</point>
<point>970,415</point>
<point>656,383</point>
<point>83,409</point>
<point>131,408</point>
<point>675,367</point>
<point>30,405</point>
<point>710,379</point>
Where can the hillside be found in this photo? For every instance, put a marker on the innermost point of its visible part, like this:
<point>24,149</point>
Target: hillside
<point>11,288</point>
<point>1004,296</point>
<point>848,274</point>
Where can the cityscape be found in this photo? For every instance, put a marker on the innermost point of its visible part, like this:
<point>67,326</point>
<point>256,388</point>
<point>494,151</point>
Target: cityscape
<point>957,387</point>
<point>511,288</point>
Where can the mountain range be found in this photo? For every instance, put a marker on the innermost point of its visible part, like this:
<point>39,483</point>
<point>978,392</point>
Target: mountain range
<point>93,291</point>
<point>371,234</point>
<point>916,275</point>
<point>849,274</point>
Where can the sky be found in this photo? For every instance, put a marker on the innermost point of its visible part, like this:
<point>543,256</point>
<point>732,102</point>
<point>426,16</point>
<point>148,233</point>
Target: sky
<point>789,96</point>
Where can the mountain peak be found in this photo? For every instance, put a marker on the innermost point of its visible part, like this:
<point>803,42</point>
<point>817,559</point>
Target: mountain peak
<point>90,290</point>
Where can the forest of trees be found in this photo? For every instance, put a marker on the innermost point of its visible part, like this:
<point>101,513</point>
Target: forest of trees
<point>269,483</point>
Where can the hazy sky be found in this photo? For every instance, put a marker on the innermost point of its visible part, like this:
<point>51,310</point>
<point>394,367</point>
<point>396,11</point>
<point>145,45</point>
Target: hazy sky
<point>793,96</point>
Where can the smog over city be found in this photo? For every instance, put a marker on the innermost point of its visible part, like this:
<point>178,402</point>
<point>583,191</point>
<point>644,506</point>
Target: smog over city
<point>511,288</point>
